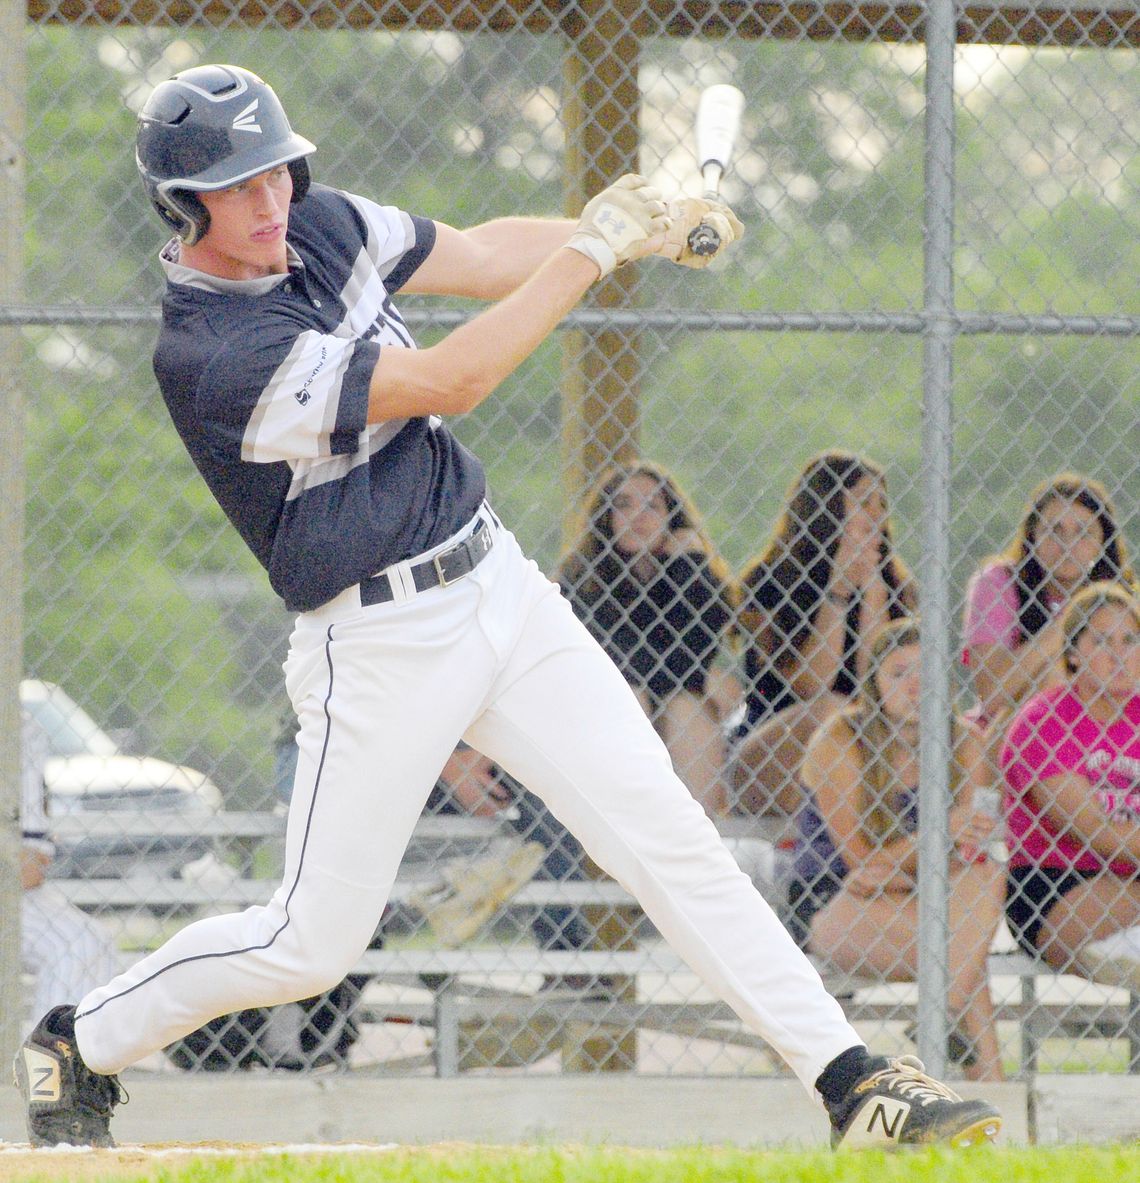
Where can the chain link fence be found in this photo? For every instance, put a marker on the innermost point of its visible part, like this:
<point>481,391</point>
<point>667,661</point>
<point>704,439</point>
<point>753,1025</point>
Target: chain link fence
<point>765,517</point>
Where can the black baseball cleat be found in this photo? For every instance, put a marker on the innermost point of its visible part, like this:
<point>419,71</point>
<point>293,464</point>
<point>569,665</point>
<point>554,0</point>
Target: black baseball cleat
<point>900,1105</point>
<point>64,1100</point>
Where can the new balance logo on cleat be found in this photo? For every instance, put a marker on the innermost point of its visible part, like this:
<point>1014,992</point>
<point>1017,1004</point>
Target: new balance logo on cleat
<point>65,1102</point>
<point>900,1105</point>
<point>42,1074</point>
<point>879,1122</point>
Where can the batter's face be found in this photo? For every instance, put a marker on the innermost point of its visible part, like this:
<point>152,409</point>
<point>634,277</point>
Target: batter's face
<point>246,237</point>
<point>639,515</point>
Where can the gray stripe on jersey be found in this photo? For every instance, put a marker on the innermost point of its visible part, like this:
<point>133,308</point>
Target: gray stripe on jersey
<point>390,233</point>
<point>409,229</point>
<point>363,296</point>
<point>309,474</point>
<point>297,411</point>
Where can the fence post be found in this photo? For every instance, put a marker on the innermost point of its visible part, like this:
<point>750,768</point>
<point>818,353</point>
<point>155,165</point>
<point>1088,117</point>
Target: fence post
<point>938,346</point>
<point>12,148</point>
<point>600,367</point>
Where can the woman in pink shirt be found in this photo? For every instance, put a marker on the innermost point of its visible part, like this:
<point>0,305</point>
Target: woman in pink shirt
<point>1067,539</point>
<point>1072,771</point>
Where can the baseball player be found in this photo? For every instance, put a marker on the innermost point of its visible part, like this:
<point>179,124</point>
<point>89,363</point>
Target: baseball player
<point>319,427</point>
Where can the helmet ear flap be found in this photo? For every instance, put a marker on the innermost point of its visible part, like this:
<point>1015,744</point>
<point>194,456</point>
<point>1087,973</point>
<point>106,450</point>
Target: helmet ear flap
<point>184,212</point>
<point>299,171</point>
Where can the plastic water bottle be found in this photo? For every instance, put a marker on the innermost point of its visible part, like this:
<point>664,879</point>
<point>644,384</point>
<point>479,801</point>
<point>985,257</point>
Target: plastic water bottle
<point>987,801</point>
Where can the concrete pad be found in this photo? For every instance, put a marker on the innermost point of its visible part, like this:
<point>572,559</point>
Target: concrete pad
<point>1088,1108</point>
<point>610,1109</point>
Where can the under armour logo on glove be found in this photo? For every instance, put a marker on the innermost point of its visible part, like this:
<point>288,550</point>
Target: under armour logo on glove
<point>608,215</point>
<point>617,221</point>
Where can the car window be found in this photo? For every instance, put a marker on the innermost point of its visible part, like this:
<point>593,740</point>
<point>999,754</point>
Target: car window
<point>69,729</point>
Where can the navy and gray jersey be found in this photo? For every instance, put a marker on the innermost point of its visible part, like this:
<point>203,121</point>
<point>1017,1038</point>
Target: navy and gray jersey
<point>267,383</point>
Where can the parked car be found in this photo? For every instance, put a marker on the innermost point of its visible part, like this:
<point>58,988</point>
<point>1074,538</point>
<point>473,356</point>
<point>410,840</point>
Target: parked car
<point>88,776</point>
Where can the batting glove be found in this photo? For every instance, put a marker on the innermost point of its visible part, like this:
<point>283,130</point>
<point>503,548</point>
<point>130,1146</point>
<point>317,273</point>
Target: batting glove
<point>618,221</point>
<point>686,214</point>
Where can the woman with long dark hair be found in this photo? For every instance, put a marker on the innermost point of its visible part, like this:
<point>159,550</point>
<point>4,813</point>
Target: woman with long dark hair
<point>828,577</point>
<point>647,581</point>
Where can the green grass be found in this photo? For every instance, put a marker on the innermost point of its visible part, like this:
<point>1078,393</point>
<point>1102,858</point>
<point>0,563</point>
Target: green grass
<point>1073,1164</point>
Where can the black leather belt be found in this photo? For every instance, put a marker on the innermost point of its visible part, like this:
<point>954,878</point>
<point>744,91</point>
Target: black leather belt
<point>448,566</point>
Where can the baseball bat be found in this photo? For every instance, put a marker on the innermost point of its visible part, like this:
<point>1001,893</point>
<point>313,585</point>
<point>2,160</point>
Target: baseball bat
<point>717,126</point>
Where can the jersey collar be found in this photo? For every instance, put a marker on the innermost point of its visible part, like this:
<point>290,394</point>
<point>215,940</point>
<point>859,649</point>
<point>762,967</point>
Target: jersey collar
<point>176,272</point>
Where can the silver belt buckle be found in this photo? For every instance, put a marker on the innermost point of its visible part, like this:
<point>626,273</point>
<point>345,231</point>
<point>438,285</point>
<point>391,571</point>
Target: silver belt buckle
<point>480,537</point>
<point>440,575</point>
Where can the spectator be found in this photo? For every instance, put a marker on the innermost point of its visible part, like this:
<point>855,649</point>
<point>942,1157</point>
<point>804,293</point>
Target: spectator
<point>645,579</point>
<point>1072,773</point>
<point>827,579</point>
<point>853,897</point>
<point>1068,538</point>
<point>66,951</point>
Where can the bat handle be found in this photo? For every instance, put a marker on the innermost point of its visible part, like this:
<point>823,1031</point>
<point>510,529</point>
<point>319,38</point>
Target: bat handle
<point>703,239</point>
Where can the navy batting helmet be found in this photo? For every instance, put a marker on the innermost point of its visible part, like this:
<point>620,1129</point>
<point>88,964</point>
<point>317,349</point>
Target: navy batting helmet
<point>209,128</point>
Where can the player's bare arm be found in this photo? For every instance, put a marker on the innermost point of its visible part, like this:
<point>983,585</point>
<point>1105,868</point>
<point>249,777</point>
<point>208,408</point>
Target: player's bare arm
<point>456,375</point>
<point>624,222</point>
<point>489,261</point>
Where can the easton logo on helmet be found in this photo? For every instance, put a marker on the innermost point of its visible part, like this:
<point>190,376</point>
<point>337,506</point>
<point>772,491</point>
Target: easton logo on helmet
<point>246,118</point>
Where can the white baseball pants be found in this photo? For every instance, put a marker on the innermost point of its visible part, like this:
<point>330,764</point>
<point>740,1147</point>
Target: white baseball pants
<point>383,693</point>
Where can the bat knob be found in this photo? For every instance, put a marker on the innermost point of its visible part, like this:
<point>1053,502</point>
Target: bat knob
<point>704,240</point>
